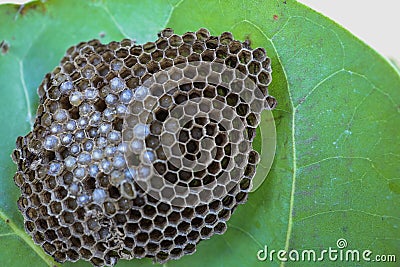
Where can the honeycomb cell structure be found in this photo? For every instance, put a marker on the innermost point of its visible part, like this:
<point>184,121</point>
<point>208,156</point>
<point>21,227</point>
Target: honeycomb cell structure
<point>142,150</point>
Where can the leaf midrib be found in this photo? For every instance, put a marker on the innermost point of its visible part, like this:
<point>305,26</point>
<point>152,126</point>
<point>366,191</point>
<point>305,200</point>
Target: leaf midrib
<point>291,204</point>
<point>294,159</point>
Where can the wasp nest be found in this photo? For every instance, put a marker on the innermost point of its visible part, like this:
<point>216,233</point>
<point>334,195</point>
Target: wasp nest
<point>142,150</point>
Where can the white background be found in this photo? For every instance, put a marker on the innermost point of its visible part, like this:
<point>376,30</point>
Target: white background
<point>375,22</point>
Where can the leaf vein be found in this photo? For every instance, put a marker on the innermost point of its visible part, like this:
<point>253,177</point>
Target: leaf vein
<point>173,7</point>
<point>333,158</point>
<point>333,74</point>
<point>347,210</point>
<point>26,94</point>
<point>119,27</point>
<point>246,233</point>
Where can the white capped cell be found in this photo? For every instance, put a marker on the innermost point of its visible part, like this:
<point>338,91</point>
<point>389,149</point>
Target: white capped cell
<point>80,172</point>
<point>66,139</point>
<point>65,87</point>
<point>61,115</point>
<point>88,145</point>
<point>85,109</point>
<point>111,99</point>
<point>80,135</point>
<point>55,168</point>
<point>51,142</point>
<point>116,65</point>
<point>84,158</point>
<point>116,177</point>
<point>94,170</point>
<point>122,147</point>
<point>83,199</point>
<point>95,119</point>
<point>102,142</point>
<point>97,154</point>
<point>88,73</point>
<point>141,131</point>
<point>114,136</point>
<point>75,149</point>
<point>110,151</point>
<point>137,145</point>
<point>76,98</point>
<point>119,161</point>
<point>141,93</point>
<point>106,166</point>
<point>82,122</point>
<point>109,114</point>
<point>99,195</point>
<point>105,128</point>
<point>130,174</point>
<point>70,162</point>
<point>74,188</point>
<point>143,172</point>
<point>117,84</point>
<point>126,96</point>
<point>56,128</point>
<point>91,93</point>
<point>148,156</point>
<point>71,125</point>
<point>121,109</point>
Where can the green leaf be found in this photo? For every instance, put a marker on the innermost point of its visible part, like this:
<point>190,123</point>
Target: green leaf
<point>337,164</point>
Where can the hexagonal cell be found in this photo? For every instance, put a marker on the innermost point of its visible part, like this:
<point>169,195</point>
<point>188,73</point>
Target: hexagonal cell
<point>72,255</point>
<point>166,245</point>
<point>156,235</point>
<point>198,47</point>
<point>245,56</point>
<point>64,232</point>
<point>29,226</point>
<point>149,211</point>
<point>49,248</point>
<point>77,229</point>
<point>93,224</point>
<point>180,240</point>
<point>142,239</point>
<point>146,224</point>
<point>120,219</point>
<point>254,67</point>
<point>85,253</point>
<point>174,218</point>
<point>31,213</point>
<point>211,129</point>
<point>109,208</point>
<point>160,222</point>
<point>170,232</point>
<point>67,218</point>
<point>176,253</point>
<point>152,248</point>
<point>139,252</point>
<point>234,47</point>
<point>37,237</point>
<point>184,228</point>
<point>55,208</point>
